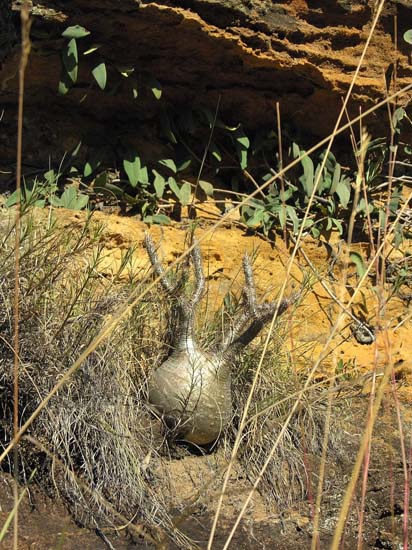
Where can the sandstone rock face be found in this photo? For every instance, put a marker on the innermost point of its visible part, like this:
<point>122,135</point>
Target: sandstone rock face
<point>251,55</point>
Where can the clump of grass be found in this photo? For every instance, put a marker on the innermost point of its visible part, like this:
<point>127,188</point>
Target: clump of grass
<point>96,432</point>
<point>289,475</point>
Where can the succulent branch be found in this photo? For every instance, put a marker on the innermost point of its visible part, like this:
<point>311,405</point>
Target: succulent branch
<point>254,316</point>
<point>157,265</point>
<point>185,306</point>
<point>196,257</point>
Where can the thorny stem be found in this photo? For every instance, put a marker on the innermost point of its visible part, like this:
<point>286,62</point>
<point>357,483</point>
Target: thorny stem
<point>185,307</point>
<point>249,323</point>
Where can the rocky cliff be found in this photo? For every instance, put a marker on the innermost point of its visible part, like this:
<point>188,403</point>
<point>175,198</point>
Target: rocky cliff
<point>246,55</point>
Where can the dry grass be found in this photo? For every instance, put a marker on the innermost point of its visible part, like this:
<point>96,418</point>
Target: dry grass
<point>97,425</point>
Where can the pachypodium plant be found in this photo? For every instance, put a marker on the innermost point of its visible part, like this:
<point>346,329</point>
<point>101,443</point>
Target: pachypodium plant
<point>191,390</point>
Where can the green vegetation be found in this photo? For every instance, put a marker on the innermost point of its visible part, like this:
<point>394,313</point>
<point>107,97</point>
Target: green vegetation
<point>203,147</point>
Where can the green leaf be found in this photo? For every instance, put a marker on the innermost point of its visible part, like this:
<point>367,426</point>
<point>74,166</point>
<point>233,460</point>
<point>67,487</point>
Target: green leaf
<point>308,175</point>
<point>256,219</point>
<point>76,150</point>
<point>407,36</point>
<point>185,164</point>
<point>115,189</point>
<point>70,59</point>
<point>207,187</point>
<point>315,232</point>
<point>336,178</point>
<point>214,151</point>
<point>92,49</point>
<point>282,217</point>
<point>93,162</point>
<point>12,200</point>
<point>132,167</point>
<point>144,176</point>
<point>398,115</point>
<point>70,199</point>
<point>156,88</point>
<point>220,124</point>
<point>135,89</point>
<point>169,163</point>
<point>295,151</point>
<point>329,224</point>
<point>101,180</point>
<point>330,161</point>
<point>50,176</point>
<point>241,139</point>
<point>160,219</point>
<point>242,157</point>
<point>359,263</point>
<point>157,92</point>
<point>286,194</point>
<point>324,181</point>
<point>242,146</point>
<point>65,83</point>
<point>338,225</point>
<point>364,207</point>
<point>81,201</point>
<point>75,32</point>
<point>174,187</point>
<point>343,192</point>
<point>100,75</point>
<point>88,169</point>
<point>185,193</point>
<point>291,212</point>
<point>126,71</point>
<point>159,184</point>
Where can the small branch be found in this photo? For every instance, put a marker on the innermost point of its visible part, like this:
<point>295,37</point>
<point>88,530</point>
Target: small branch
<point>198,294</point>
<point>157,266</point>
<point>250,290</point>
<point>184,306</point>
<point>254,317</point>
